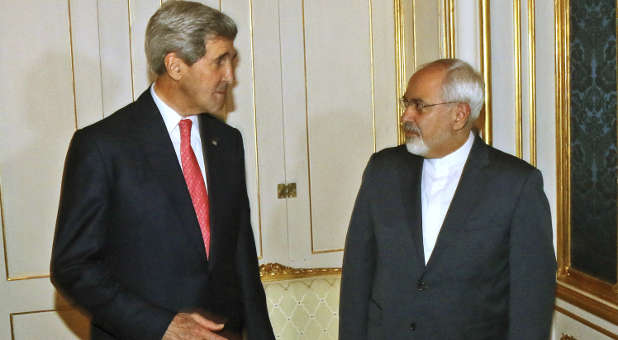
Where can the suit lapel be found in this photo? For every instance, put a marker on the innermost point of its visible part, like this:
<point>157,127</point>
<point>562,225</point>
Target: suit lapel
<point>410,195</point>
<point>469,191</point>
<point>152,135</point>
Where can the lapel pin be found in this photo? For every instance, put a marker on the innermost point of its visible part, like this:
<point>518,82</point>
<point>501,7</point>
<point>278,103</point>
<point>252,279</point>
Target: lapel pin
<point>214,142</point>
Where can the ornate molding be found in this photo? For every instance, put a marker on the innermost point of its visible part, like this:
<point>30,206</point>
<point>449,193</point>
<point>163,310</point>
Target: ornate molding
<point>276,272</point>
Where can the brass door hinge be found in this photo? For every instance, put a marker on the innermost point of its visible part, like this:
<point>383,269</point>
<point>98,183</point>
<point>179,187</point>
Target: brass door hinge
<point>286,190</point>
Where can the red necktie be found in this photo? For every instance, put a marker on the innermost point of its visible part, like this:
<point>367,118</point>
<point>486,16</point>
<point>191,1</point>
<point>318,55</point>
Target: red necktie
<point>195,181</point>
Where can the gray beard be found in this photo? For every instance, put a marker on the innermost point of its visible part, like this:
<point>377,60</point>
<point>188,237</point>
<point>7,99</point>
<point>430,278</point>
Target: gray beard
<point>417,146</point>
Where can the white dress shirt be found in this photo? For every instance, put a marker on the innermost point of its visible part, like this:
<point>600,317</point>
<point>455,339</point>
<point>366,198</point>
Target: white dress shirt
<point>171,119</point>
<point>439,181</point>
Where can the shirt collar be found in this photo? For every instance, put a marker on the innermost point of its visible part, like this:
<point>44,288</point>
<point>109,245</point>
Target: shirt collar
<point>171,118</point>
<point>454,160</point>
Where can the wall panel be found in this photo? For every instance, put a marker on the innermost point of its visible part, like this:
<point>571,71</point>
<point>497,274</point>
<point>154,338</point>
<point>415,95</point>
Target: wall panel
<point>86,61</point>
<point>339,113</point>
<point>256,111</point>
<point>503,76</point>
<point>38,118</point>
<point>116,63</point>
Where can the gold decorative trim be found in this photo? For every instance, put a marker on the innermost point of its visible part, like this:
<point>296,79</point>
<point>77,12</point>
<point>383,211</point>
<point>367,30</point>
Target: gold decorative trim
<point>414,40</point>
<point>532,77</point>
<point>307,126</point>
<point>517,75</point>
<point>400,65</point>
<point>567,337</point>
<point>585,322</point>
<point>255,133</point>
<point>485,43</point>
<point>277,272</point>
<point>561,57</point>
<point>28,277</point>
<point>452,28</point>
<point>372,72</point>
<point>72,64</point>
<point>448,28</point>
<point>13,315</point>
<point>588,293</point>
<point>131,49</point>
<point>6,258</point>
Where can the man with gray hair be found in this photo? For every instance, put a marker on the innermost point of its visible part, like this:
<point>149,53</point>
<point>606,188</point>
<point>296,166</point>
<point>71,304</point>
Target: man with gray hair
<point>449,238</point>
<point>153,238</point>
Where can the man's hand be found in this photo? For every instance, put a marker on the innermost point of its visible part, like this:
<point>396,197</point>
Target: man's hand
<point>192,326</point>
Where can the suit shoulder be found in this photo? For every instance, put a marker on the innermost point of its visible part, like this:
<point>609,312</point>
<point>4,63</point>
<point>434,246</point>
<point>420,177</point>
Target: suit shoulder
<point>390,160</point>
<point>116,123</point>
<point>392,155</point>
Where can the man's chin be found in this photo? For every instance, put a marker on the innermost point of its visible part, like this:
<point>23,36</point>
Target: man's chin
<point>416,147</point>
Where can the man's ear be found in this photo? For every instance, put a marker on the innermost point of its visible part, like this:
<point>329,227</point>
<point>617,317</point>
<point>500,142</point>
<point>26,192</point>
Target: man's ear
<point>174,66</point>
<point>462,115</point>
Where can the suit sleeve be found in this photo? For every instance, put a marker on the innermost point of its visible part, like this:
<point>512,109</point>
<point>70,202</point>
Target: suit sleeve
<point>358,266</point>
<point>532,264</point>
<point>256,321</point>
<point>78,268</point>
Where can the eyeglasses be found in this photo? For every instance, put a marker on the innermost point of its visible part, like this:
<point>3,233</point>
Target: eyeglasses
<point>418,104</point>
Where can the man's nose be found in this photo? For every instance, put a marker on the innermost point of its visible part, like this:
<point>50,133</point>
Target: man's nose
<point>409,114</point>
<point>229,75</point>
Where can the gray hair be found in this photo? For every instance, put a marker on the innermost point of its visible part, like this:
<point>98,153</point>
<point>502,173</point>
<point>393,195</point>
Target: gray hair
<point>184,27</point>
<point>461,84</point>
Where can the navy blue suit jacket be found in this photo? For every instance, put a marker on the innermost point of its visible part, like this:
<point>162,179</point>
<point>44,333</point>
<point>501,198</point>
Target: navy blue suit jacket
<point>128,247</point>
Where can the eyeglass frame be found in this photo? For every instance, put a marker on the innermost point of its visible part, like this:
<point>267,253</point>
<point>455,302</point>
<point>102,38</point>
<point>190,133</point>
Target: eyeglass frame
<point>419,106</point>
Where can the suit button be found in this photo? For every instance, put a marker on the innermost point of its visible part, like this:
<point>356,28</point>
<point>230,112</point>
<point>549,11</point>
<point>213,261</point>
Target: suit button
<point>413,326</point>
<point>420,285</point>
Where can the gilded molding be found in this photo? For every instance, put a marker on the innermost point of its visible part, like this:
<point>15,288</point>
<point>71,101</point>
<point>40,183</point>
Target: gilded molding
<point>532,78</point>
<point>400,66</point>
<point>585,322</point>
<point>276,272</point>
<point>131,49</point>
<point>567,337</point>
<point>72,64</point>
<point>6,258</point>
<point>485,42</point>
<point>13,315</point>
<point>372,72</point>
<point>255,132</point>
<point>517,75</point>
<point>448,28</point>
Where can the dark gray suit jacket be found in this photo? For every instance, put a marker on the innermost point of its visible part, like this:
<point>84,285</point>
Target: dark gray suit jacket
<point>128,247</point>
<point>491,274</point>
